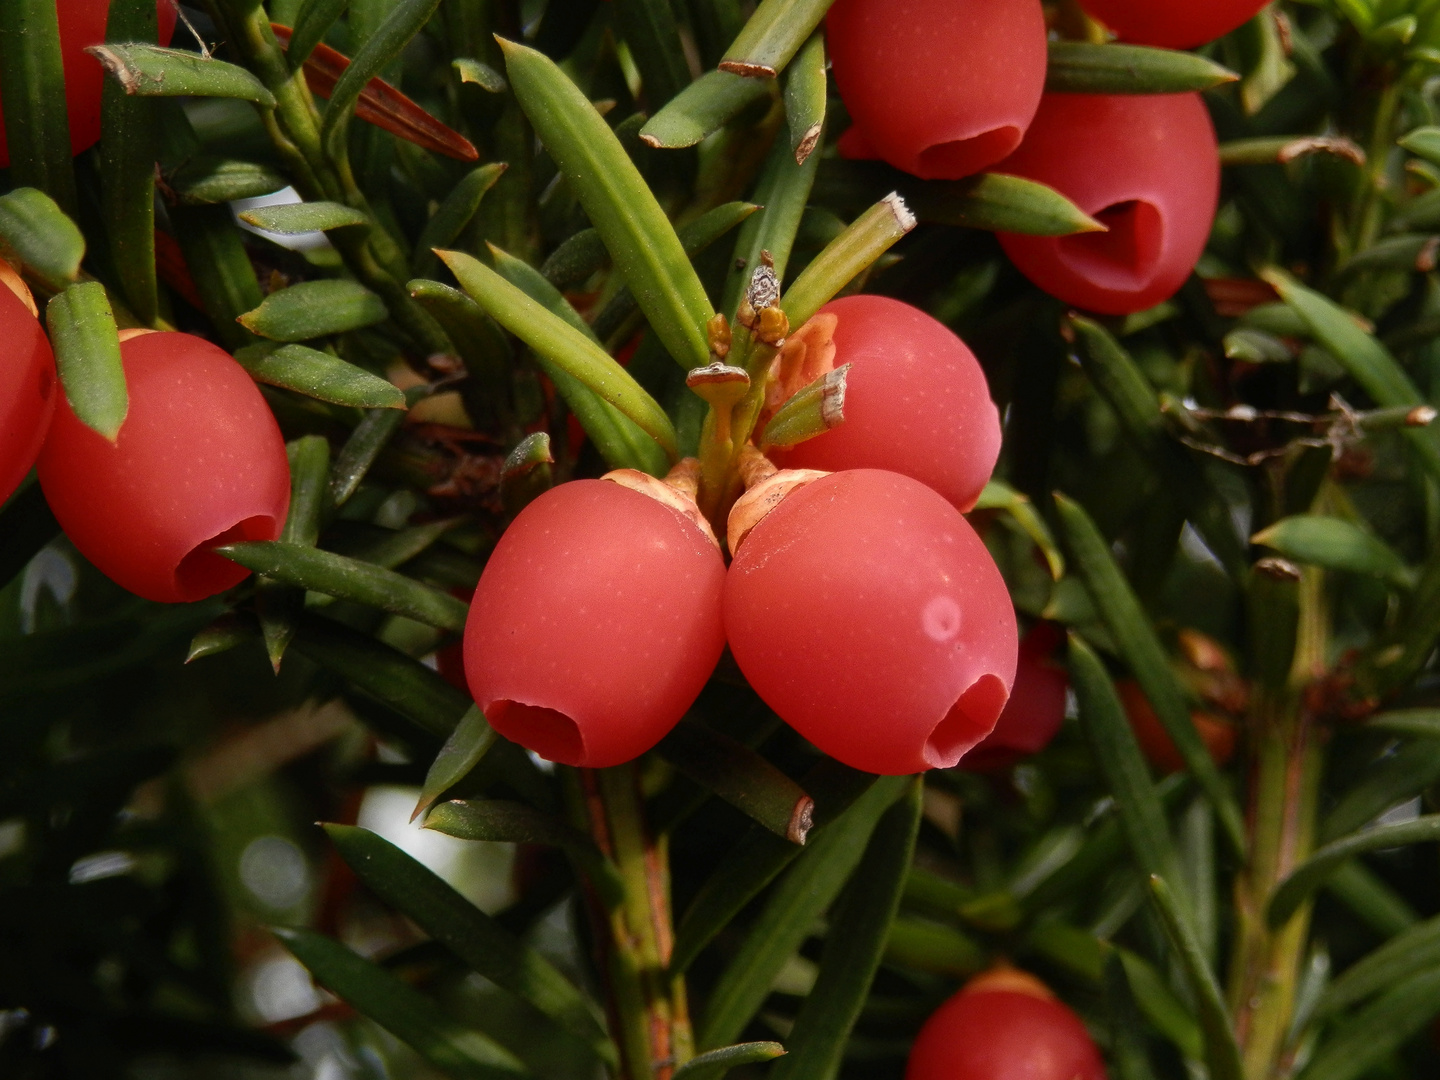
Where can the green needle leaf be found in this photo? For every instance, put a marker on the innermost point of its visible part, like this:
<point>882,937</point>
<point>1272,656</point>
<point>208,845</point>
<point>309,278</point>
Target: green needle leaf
<point>1222,1053</point>
<point>1078,67</point>
<point>1414,952</point>
<point>34,230</point>
<point>802,897</point>
<point>405,19</point>
<point>463,750</point>
<point>773,36</point>
<point>805,91</point>
<point>999,495</point>
<point>868,237</point>
<point>566,347</point>
<point>32,83</point>
<point>1336,544</point>
<point>407,1014</point>
<point>311,24</point>
<point>153,71</point>
<point>312,309</point>
<point>349,579</point>
<point>1423,722</point>
<point>319,375</point>
<point>854,946</point>
<point>304,217</point>
<point>1314,871</point>
<point>452,215</point>
<point>205,180</point>
<point>646,251</point>
<point>87,354</point>
<point>701,109</point>
<point>1365,1041</point>
<point>1140,647</point>
<point>1394,779</point>
<point>716,1063</point>
<point>469,933</point>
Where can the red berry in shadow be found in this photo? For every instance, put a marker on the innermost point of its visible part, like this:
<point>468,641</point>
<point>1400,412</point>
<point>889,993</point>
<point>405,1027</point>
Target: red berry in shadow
<point>1155,743</point>
<point>916,400</point>
<point>1004,1026</point>
<point>82,24</point>
<point>27,390</point>
<point>1036,708</point>
<point>595,624</point>
<point>938,88</point>
<point>199,461</point>
<point>1145,166</point>
<point>1172,24</point>
<point>868,614</point>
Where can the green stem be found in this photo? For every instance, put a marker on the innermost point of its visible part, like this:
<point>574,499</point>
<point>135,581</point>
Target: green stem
<point>1382,138</point>
<point>1286,766</point>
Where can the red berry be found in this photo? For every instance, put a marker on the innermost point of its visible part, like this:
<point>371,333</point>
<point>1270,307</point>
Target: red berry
<point>1145,166</point>
<point>996,1032</point>
<point>916,401</point>
<point>939,88</point>
<point>868,614</point>
<point>1036,708</point>
<point>1218,735</point>
<point>82,24</point>
<point>199,461</point>
<point>595,624</point>
<point>27,390</point>
<point>1172,24</point>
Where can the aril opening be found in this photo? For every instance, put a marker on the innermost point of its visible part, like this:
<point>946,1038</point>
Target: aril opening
<point>202,573</point>
<point>1128,255</point>
<point>965,157</point>
<point>969,720</point>
<point>551,734</point>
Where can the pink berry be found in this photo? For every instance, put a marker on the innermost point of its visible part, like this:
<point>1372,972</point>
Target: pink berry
<point>199,461</point>
<point>938,88</point>
<point>1145,166</point>
<point>868,614</point>
<point>595,624</point>
<point>916,401</point>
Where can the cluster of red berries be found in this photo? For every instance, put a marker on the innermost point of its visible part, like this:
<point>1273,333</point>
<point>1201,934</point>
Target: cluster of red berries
<point>946,88</point>
<point>199,460</point>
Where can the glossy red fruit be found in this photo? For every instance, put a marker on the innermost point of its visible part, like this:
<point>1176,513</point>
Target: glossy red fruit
<point>868,614</point>
<point>1218,735</point>
<point>916,401</point>
<point>1172,24</point>
<point>82,24</point>
<point>595,624</point>
<point>199,461</point>
<point>27,390</point>
<point>1145,166</point>
<point>939,88</point>
<point>1036,708</point>
<point>1004,1026</point>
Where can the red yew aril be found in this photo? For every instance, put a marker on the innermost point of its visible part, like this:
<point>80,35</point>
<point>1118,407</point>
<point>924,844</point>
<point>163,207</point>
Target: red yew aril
<point>1145,166</point>
<point>1036,708</point>
<point>27,387</point>
<point>1155,743</point>
<point>866,612</point>
<point>199,461</point>
<point>82,24</point>
<point>1004,1025</point>
<point>916,400</point>
<point>1172,24</point>
<point>938,88</point>
<point>595,624</point>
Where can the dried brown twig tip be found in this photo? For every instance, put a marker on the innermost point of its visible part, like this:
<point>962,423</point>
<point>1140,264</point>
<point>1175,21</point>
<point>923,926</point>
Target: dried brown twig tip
<point>1278,569</point>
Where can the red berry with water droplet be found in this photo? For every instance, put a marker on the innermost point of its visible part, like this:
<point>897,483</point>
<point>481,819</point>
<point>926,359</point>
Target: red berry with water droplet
<point>867,613</point>
<point>595,623</point>
<point>198,462</point>
<point>916,400</point>
<point>939,88</point>
<point>1145,166</point>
